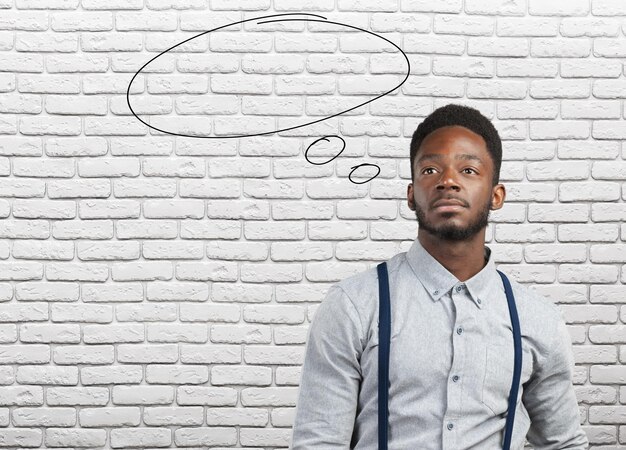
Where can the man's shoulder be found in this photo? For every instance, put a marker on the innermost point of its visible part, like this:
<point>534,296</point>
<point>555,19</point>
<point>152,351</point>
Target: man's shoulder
<point>535,309</point>
<point>365,282</point>
<point>362,287</point>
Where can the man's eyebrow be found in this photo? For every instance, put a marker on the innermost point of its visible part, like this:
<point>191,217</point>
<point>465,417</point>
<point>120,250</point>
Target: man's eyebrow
<point>466,156</point>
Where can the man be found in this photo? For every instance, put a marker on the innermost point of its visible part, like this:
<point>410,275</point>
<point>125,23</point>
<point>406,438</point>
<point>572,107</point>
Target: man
<point>451,353</point>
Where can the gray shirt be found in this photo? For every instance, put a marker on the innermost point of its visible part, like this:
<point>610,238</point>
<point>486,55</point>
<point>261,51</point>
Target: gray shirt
<point>450,364</point>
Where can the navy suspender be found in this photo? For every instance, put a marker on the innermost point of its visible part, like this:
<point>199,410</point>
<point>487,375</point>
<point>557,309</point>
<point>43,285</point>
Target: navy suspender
<point>517,369</point>
<point>384,333</point>
<point>384,325</point>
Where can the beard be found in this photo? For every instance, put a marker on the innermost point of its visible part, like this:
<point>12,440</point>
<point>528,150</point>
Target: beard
<point>450,231</point>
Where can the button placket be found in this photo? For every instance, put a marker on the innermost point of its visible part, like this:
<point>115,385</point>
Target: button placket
<point>458,293</point>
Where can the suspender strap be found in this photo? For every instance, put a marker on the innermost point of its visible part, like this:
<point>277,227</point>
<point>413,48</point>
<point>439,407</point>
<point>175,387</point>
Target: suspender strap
<point>517,370</point>
<point>384,333</point>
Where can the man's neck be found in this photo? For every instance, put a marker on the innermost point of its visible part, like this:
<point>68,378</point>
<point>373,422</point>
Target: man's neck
<point>463,259</point>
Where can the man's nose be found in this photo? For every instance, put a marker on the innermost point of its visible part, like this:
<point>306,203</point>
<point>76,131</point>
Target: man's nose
<point>448,178</point>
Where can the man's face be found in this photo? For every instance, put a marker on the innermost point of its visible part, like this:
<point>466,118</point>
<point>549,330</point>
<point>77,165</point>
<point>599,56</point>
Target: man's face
<point>443,170</point>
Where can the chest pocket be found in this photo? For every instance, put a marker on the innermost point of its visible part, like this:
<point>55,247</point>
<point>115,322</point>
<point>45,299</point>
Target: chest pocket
<point>498,377</point>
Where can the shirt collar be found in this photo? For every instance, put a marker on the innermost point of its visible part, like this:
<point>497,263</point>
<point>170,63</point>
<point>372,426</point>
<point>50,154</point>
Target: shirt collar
<point>438,280</point>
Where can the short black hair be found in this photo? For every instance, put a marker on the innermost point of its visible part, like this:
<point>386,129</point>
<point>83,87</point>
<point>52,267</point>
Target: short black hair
<point>465,116</point>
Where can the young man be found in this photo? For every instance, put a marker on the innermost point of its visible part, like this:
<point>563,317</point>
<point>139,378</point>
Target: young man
<point>451,354</point>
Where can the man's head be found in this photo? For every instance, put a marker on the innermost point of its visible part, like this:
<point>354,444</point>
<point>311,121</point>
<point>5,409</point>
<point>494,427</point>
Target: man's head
<point>456,155</point>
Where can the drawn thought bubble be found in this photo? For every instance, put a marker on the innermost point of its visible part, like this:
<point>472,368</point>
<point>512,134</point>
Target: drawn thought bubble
<point>260,20</point>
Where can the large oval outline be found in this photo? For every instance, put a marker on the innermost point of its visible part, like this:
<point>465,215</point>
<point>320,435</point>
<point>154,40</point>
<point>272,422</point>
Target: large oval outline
<point>269,21</point>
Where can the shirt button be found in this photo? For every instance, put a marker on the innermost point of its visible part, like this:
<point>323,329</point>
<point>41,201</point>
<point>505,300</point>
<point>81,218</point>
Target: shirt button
<point>478,301</point>
<point>436,292</point>
<point>458,288</point>
<point>455,378</point>
<point>459,330</point>
<point>450,426</point>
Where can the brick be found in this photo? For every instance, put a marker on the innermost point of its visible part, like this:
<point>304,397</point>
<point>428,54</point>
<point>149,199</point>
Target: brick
<point>526,68</point>
<point>143,395</point>
<point>45,42</point>
<point>559,89</point>
<point>405,23</point>
<point>559,7</point>
<point>74,437</point>
<point>496,7</point>
<point>290,106</point>
<point>111,42</point>
<point>52,4</point>
<point>173,4</point>
<point>585,109</point>
<point>581,68</point>
<point>527,26</point>
<point>560,48</point>
<point>109,417</point>
<point>269,436</point>
<point>237,416</point>
<point>608,8</point>
<point>309,5</point>
<point>590,27</point>
<point>368,5</point>
<point>240,42</point>
<point>77,63</point>
<point>440,6</point>
<point>609,89</point>
<point>111,4</point>
<point>39,375</point>
<point>609,48</point>
<point>89,21</point>
<point>450,45</point>
<point>44,417</point>
<point>211,436</point>
<point>607,414</point>
<point>24,20</point>
<point>497,89</point>
<point>487,46</point>
<point>301,43</point>
<point>124,374</point>
<point>205,21</point>
<point>25,437</point>
<point>176,374</point>
<point>145,21</point>
<point>535,109</point>
<point>467,25</point>
<point>251,5</point>
<point>608,129</point>
<point>49,84</point>
<point>276,64</point>
<point>77,396</point>
<point>167,416</point>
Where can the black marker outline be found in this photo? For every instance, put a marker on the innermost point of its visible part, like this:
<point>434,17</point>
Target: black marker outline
<point>342,149</point>
<point>283,129</point>
<point>364,164</point>
<point>324,139</point>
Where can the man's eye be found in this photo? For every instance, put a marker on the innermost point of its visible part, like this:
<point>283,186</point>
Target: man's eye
<point>432,168</point>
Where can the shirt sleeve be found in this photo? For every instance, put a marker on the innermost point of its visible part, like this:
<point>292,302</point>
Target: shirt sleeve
<point>550,398</point>
<point>331,376</point>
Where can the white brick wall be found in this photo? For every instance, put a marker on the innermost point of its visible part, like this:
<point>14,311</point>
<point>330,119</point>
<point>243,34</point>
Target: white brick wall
<point>157,290</point>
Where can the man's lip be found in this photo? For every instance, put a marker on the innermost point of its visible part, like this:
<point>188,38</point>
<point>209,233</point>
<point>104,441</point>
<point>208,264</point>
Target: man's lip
<point>444,208</point>
<point>447,203</point>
